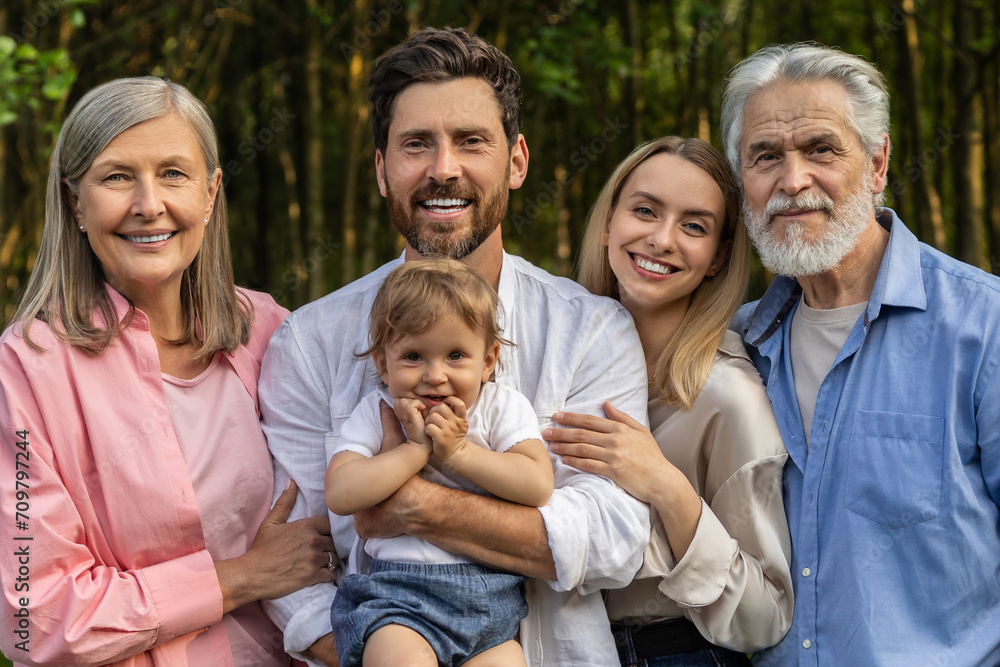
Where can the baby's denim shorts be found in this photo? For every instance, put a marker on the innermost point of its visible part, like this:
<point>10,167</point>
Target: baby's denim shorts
<point>461,609</point>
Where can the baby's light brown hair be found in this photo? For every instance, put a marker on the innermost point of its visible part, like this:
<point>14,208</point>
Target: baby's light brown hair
<point>423,291</point>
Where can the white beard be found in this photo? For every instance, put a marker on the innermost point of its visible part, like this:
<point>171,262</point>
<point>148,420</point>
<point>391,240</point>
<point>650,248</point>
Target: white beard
<point>796,256</point>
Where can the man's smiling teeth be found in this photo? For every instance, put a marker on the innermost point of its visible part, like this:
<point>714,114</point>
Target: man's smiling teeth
<point>652,266</point>
<point>444,205</point>
<point>148,239</point>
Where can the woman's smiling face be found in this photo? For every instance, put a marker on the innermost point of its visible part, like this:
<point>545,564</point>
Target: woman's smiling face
<point>143,205</point>
<point>664,235</point>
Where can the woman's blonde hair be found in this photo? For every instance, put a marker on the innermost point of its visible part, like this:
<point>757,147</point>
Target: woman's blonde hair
<point>66,286</point>
<point>683,366</point>
<point>421,292</point>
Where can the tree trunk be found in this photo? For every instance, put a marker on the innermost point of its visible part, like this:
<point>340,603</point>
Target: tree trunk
<point>940,119</point>
<point>564,251</point>
<point>638,98</point>
<point>315,220</point>
<point>869,26</point>
<point>991,137</point>
<point>294,277</point>
<point>354,126</point>
<point>967,154</point>
<point>916,183</point>
<point>503,21</point>
<point>369,255</point>
<point>679,61</point>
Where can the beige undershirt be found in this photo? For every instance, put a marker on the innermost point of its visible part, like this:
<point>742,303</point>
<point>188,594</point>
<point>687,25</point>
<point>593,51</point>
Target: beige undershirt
<point>816,339</point>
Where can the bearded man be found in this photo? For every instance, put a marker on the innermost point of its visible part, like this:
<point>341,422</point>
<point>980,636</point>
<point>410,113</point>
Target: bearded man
<point>880,356</point>
<point>447,119</point>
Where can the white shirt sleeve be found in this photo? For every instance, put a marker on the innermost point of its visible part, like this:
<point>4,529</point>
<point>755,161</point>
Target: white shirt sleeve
<point>294,405</point>
<point>596,531</point>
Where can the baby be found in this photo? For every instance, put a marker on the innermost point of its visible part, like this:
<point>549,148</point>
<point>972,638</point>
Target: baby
<point>435,342</point>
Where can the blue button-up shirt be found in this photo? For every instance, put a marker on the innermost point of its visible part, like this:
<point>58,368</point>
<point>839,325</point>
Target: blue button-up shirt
<point>892,506</point>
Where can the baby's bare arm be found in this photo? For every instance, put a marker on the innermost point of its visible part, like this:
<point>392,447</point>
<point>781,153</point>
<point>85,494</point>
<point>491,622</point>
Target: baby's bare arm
<point>522,474</point>
<point>354,482</point>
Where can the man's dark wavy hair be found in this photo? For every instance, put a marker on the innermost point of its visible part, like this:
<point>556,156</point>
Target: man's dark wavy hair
<point>435,55</point>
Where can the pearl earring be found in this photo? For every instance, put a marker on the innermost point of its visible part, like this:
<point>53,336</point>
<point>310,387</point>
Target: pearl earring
<point>206,221</point>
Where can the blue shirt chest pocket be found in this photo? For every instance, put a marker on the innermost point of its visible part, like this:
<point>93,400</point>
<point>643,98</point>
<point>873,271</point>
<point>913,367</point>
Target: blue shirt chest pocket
<point>895,467</point>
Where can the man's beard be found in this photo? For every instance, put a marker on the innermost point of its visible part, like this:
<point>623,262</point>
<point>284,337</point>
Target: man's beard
<point>453,242</point>
<point>795,255</point>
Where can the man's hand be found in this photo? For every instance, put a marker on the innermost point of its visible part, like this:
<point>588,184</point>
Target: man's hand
<point>324,649</point>
<point>392,516</point>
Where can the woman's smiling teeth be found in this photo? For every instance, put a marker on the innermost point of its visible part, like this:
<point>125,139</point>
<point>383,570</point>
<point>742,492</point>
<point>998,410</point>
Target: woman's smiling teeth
<point>148,239</point>
<point>652,266</point>
<point>445,205</point>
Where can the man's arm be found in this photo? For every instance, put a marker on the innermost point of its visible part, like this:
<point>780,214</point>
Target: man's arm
<point>294,404</point>
<point>487,530</point>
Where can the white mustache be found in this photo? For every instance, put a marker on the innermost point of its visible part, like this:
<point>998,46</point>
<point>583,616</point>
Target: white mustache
<point>780,203</point>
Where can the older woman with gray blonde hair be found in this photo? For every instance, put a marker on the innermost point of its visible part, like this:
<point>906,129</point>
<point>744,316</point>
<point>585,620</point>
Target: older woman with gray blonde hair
<point>136,479</point>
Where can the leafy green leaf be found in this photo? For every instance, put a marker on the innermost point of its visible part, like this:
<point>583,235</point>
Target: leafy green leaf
<point>26,52</point>
<point>7,46</point>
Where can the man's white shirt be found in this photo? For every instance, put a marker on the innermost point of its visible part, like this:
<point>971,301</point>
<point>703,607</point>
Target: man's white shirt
<point>573,351</point>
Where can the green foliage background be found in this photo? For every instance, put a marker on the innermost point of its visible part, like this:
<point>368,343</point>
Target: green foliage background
<point>285,83</point>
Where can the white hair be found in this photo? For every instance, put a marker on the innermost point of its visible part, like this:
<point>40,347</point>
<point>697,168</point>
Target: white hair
<point>867,96</point>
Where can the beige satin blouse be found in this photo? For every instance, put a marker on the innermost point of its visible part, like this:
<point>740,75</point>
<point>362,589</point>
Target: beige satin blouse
<point>734,581</point>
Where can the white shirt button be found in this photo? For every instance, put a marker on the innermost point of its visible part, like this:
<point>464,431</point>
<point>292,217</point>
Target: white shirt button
<point>806,643</point>
<point>806,572</point>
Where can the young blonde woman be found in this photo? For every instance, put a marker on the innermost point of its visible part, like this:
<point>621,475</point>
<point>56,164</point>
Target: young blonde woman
<point>665,239</point>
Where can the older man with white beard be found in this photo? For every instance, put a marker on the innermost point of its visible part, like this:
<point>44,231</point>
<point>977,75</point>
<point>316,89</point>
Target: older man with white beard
<point>881,358</point>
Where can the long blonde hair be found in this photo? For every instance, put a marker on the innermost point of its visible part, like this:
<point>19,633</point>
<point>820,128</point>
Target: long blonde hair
<point>684,364</point>
<point>66,288</point>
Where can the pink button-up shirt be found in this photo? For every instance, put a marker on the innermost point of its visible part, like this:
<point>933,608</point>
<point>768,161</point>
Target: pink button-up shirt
<point>102,555</point>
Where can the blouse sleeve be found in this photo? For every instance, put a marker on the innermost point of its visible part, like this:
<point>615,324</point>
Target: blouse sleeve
<point>60,604</point>
<point>734,581</point>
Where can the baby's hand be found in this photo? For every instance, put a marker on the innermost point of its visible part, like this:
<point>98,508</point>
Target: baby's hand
<point>410,412</point>
<point>447,426</point>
